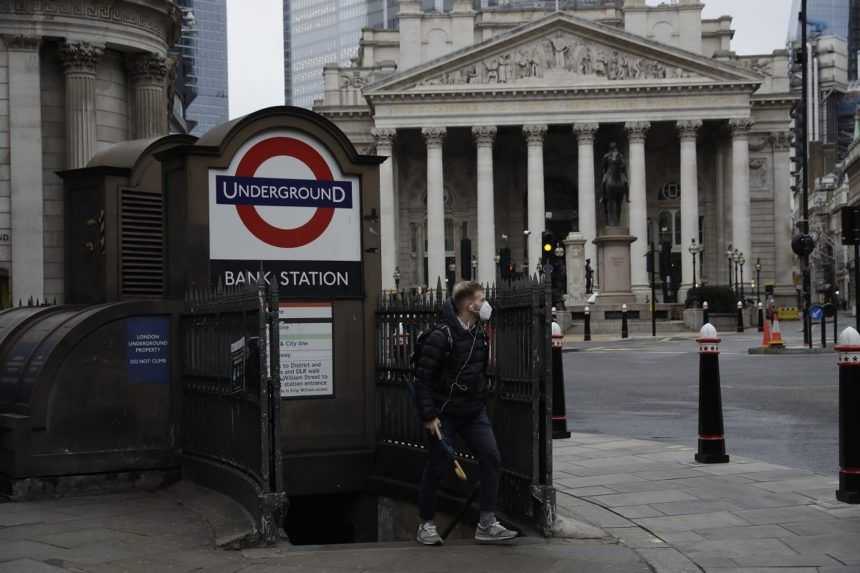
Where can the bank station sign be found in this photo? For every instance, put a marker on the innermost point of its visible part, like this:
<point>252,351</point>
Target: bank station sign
<point>284,206</point>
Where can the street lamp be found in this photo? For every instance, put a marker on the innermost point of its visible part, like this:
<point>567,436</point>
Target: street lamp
<point>498,259</point>
<point>396,276</point>
<point>694,250</point>
<point>729,259</point>
<point>742,261</point>
<point>758,279</point>
<point>559,250</point>
<point>474,268</point>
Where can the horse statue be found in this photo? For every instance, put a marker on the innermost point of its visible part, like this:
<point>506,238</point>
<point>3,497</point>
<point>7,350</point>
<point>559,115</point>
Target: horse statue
<point>613,189</point>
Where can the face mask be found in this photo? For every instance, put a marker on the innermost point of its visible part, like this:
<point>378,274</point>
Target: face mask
<point>485,312</point>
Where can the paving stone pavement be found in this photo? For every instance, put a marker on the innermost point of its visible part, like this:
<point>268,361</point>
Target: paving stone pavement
<point>664,508</point>
<point>745,516</point>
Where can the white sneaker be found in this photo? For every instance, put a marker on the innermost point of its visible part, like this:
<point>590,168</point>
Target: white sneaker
<point>494,533</point>
<point>427,534</point>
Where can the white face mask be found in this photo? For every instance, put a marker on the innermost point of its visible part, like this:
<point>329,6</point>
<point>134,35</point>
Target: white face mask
<point>486,311</point>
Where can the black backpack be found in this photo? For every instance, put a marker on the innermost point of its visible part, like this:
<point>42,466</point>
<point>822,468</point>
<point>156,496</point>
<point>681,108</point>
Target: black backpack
<point>422,338</point>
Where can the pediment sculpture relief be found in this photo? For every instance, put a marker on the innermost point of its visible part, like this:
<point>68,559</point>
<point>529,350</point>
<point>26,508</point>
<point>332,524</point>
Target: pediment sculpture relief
<point>561,56</point>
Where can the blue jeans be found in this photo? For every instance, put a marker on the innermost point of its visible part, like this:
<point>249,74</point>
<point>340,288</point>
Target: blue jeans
<point>477,432</point>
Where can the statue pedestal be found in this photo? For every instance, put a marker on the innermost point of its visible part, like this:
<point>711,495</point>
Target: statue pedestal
<point>574,255</point>
<point>613,256</point>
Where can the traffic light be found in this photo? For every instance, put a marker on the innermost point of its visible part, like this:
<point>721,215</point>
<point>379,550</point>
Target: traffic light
<point>547,246</point>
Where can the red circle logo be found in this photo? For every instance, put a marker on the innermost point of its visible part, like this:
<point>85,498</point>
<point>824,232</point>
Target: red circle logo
<point>259,227</point>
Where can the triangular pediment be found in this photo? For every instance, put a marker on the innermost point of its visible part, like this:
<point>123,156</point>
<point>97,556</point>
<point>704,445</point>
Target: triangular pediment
<point>561,50</point>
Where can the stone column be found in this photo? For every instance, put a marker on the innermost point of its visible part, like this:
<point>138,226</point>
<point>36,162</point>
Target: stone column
<point>484,136</point>
<point>536,202</point>
<point>741,188</point>
<point>434,137</point>
<point>688,130</point>
<point>25,165</point>
<point>636,132</point>
<point>148,72</point>
<point>387,214</point>
<point>79,62</point>
<point>784,263</point>
<point>586,189</point>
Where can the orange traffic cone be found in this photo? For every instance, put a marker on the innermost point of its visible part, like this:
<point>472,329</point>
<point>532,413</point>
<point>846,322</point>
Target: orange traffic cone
<point>765,337</point>
<point>776,335</point>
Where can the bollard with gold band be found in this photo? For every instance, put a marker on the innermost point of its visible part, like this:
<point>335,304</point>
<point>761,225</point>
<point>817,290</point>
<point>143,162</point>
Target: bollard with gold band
<point>712,442</point>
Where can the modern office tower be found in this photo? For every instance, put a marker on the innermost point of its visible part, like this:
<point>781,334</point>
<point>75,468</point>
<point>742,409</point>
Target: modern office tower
<point>202,70</point>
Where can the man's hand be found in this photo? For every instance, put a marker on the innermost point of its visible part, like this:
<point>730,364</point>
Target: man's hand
<point>434,426</point>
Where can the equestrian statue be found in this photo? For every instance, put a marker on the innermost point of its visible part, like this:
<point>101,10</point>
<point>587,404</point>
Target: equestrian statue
<point>614,191</point>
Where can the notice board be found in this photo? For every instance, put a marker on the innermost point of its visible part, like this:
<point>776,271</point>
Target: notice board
<point>306,350</point>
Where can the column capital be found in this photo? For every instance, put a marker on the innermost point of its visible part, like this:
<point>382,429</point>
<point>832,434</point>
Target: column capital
<point>80,57</point>
<point>741,127</point>
<point>688,128</point>
<point>585,131</point>
<point>384,137</point>
<point>484,134</point>
<point>22,42</point>
<point>637,130</point>
<point>535,133</point>
<point>147,66</point>
<point>434,135</point>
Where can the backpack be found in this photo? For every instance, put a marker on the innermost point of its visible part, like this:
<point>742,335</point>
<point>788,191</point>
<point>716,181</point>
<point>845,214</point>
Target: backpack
<point>422,338</point>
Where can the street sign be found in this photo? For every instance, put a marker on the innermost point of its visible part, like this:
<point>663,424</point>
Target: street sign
<point>816,312</point>
<point>284,205</point>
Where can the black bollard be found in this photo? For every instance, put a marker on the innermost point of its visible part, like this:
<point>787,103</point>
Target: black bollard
<point>624,331</point>
<point>760,317</point>
<point>823,329</point>
<point>712,442</point>
<point>740,316</point>
<point>587,336</point>
<point>706,315</point>
<point>849,422</point>
<point>559,407</point>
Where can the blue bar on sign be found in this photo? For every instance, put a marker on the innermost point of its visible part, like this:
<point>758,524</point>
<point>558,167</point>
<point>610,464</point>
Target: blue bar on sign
<point>230,190</point>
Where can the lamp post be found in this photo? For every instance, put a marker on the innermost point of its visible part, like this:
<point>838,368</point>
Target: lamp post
<point>742,261</point>
<point>694,250</point>
<point>474,268</point>
<point>498,259</point>
<point>758,279</point>
<point>396,276</point>
<point>729,260</point>
<point>735,257</point>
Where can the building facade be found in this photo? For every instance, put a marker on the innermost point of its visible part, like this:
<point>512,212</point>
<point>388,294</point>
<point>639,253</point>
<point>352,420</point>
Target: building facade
<point>202,47</point>
<point>75,78</point>
<point>497,124</point>
<point>320,32</point>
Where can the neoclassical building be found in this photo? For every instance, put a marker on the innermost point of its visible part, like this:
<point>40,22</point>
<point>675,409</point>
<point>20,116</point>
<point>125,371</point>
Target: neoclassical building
<point>76,76</point>
<point>496,123</point>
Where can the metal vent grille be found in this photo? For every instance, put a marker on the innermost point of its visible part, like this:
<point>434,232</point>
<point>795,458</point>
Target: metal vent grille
<point>141,244</point>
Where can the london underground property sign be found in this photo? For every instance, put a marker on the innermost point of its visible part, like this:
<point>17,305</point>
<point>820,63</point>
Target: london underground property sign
<point>284,206</point>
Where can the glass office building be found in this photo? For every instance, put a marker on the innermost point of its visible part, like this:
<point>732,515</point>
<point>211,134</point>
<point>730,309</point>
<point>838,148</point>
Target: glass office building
<point>201,80</point>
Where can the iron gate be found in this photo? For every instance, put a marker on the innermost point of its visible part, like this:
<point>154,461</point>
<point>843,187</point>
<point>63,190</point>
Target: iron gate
<point>230,404</point>
<point>520,406</point>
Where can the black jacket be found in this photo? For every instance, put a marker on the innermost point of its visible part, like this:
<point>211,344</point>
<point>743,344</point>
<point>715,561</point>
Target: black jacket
<point>451,372</point>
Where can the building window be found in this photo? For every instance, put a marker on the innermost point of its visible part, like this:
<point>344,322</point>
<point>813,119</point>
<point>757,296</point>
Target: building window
<point>678,227</point>
<point>664,226</point>
<point>449,235</point>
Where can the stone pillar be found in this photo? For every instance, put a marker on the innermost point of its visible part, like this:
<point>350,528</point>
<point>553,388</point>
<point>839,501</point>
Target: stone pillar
<point>688,130</point>
<point>79,62</point>
<point>484,136</point>
<point>784,263</point>
<point>636,132</point>
<point>387,213</point>
<point>574,259</point>
<point>586,188</point>
<point>25,165</point>
<point>741,189</point>
<point>536,203</point>
<point>434,137</point>
<point>148,74</point>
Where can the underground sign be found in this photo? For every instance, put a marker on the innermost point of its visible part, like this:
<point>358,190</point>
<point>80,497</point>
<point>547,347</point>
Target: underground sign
<point>285,212</point>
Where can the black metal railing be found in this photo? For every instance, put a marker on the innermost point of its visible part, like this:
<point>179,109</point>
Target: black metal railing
<point>521,403</point>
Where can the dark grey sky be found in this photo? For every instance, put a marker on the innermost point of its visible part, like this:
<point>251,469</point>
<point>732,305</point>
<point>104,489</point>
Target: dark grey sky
<point>255,40</point>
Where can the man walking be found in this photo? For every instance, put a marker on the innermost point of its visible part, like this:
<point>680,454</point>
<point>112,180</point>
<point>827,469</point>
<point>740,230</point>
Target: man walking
<point>451,394</point>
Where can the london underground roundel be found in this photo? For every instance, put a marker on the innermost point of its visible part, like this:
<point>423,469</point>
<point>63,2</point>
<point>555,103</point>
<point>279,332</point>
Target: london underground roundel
<point>283,203</point>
